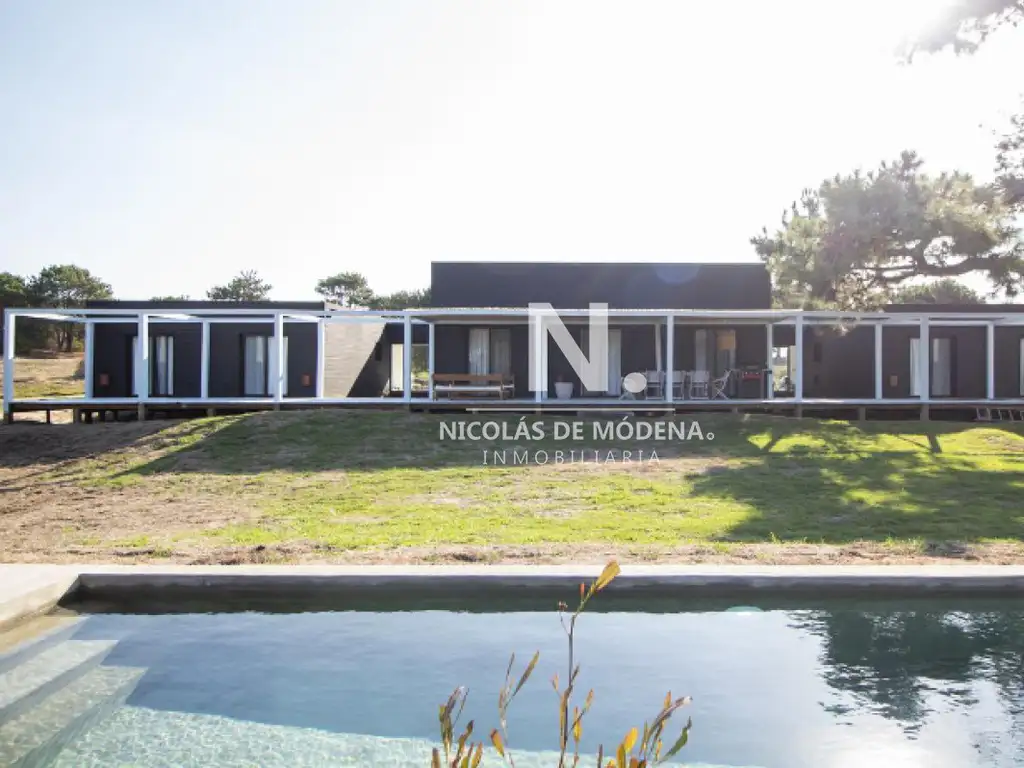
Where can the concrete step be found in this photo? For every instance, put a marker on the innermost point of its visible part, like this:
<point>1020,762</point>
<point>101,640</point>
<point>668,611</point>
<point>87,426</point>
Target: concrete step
<point>46,672</point>
<point>38,735</point>
<point>22,643</point>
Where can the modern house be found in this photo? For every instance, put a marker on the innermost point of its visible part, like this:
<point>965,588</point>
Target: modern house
<point>696,337</point>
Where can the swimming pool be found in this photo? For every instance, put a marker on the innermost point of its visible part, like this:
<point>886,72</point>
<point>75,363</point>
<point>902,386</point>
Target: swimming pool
<point>935,682</point>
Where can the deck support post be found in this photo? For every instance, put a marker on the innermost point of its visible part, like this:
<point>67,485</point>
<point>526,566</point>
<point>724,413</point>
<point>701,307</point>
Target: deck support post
<point>670,343</point>
<point>280,370</point>
<point>798,362</point>
<point>142,363</point>
<point>862,413</point>
<point>990,361</point>
<point>9,367</point>
<point>321,361</point>
<point>89,362</point>
<point>407,360</point>
<point>769,374</point>
<point>430,361</point>
<point>878,361</point>
<point>924,359</point>
<point>204,370</point>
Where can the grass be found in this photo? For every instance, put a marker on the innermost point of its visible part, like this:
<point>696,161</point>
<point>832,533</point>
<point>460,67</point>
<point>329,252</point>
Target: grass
<point>46,377</point>
<point>337,480</point>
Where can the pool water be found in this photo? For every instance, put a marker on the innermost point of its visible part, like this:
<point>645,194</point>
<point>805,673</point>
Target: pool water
<point>902,683</point>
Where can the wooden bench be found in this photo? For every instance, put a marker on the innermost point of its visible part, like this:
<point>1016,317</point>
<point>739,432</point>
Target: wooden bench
<point>474,384</point>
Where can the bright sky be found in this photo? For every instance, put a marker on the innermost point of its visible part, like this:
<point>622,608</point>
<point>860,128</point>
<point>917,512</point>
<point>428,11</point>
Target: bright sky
<point>167,146</point>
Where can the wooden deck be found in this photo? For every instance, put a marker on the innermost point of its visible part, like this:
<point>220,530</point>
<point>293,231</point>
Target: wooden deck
<point>119,409</point>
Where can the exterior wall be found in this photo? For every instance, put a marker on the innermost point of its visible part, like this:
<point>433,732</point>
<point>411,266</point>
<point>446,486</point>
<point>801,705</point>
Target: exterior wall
<point>622,286</point>
<point>353,360</point>
<point>112,356</point>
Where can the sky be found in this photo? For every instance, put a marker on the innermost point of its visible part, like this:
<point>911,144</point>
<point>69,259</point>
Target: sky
<point>166,146</point>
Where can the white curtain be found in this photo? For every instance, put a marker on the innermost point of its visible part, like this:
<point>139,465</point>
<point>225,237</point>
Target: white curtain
<point>272,360</point>
<point>614,361</point>
<point>255,366</point>
<point>915,362</point>
<point>501,351</point>
<point>162,353</point>
<point>700,337</point>
<point>942,367</point>
<point>479,351</point>
<point>1022,367</point>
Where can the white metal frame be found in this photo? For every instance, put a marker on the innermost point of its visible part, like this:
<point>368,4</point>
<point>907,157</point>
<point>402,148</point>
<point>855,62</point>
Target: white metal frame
<point>277,317</point>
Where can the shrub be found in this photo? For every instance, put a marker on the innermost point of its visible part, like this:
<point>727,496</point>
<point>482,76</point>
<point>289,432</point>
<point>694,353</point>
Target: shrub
<point>636,750</point>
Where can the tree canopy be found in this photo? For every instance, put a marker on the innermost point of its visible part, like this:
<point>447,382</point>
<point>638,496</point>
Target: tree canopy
<point>246,286</point>
<point>856,239</point>
<point>179,297</point>
<point>351,289</point>
<point>945,291</point>
<point>65,286</point>
<point>963,25</point>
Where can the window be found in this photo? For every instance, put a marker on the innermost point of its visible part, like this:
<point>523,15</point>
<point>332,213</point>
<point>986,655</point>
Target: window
<point>420,363</point>
<point>942,367</point>
<point>490,351</point>
<point>259,366</point>
<point>1022,367</point>
<point>161,366</point>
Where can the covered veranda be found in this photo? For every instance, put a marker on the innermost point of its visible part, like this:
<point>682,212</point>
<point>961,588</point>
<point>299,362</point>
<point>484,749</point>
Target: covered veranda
<point>777,329</point>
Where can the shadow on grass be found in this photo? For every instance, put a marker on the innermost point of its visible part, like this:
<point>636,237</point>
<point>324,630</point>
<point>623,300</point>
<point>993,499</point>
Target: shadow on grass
<point>840,497</point>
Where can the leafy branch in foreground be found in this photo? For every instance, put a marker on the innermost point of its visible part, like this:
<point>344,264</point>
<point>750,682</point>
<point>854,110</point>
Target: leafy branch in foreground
<point>636,750</point>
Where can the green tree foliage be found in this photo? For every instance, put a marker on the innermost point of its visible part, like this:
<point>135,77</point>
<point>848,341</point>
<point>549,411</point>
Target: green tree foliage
<point>246,286</point>
<point>853,241</point>
<point>66,286</point>
<point>180,297</point>
<point>965,24</point>
<point>351,289</point>
<point>13,293</point>
<point>945,291</point>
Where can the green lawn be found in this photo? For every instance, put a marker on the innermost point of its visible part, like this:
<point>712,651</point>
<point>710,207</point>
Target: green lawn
<point>367,480</point>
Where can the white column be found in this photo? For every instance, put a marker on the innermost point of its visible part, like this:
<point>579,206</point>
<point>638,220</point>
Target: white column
<point>142,357</point>
<point>8,362</point>
<point>90,357</point>
<point>670,342</point>
<point>407,360</point>
<point>657,346</point>
<point>990,359</point>
<point>430,361</point>
<point>204,359</point>
<point>924,359</point>
<point>280,369</point>
<point>769,370</point>
<point>539,356</point>
<point>798,359</point>
<point>321,359</point>
<point>878,361</point>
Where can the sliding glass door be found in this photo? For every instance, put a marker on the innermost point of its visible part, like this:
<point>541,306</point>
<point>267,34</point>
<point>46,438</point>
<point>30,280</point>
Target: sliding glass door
<point>259,366</point>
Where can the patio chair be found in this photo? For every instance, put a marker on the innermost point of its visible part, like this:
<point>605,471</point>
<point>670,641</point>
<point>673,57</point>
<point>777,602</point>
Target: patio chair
<point>718,386</point>
<point>699,382</point>
<point>678,383</point>
<point>655,384</point>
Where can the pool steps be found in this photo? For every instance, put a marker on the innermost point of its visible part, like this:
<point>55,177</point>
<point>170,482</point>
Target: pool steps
<point>52,689</point>
<point>37,736</point>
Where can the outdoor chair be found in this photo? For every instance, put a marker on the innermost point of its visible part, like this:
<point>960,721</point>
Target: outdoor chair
<point>678,383</point>
<point>655,384</point>
<point>718,386</point>
<point>699,381</point>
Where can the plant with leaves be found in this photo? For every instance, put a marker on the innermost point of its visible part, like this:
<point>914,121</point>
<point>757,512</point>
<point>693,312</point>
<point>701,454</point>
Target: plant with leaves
<point>66,286</point>
<point>964,25</point>
<point>179,297</point>
<point>246,286</point>
<point>946,291</point>
<point>636,750</point>
<point>348,289</point>
<point>858,238</point>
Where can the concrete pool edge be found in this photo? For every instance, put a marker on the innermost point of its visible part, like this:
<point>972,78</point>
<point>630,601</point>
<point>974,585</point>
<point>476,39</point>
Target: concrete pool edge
<point>28,590</point>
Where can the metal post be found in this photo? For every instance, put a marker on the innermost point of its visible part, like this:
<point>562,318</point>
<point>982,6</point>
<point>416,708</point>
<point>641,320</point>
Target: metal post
<point>142,364</point>
<point>8,365</point>
<point>204,352</point>
<point>280,369</point>
<point>924,362</point>
<point>990,359</point>
<point>407,360</point>
<point>798,360</point>
<point>878,361</point>
<point>321,359</point>
<point>430,361</point>
<point>670,342</point>
<point>90,357</point>
<point>769,375</point>
<point>540,363</point>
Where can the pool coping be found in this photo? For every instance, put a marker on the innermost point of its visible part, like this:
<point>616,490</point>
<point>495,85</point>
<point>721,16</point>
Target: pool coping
<point>29,590</point>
